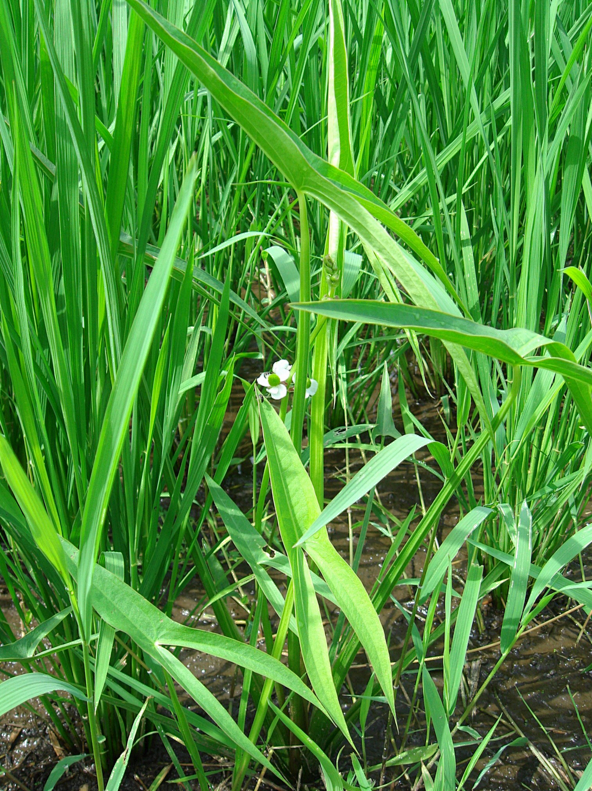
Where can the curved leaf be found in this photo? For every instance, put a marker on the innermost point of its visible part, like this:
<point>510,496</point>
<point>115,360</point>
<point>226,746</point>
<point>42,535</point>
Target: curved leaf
<point>19,689</point>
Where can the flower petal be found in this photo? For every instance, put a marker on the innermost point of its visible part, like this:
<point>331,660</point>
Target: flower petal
<point>263,380</point>
<point>312,388</point>
<point>282,368</point>
<point>278,392</point>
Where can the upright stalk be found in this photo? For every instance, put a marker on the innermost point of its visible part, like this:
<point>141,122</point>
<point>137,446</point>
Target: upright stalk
<point>302,332</point>
<point>330,278</point>
<point>92,720</point>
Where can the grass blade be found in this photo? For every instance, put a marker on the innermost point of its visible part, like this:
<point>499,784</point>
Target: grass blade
<point>124,391</point>
<point>518,579</point>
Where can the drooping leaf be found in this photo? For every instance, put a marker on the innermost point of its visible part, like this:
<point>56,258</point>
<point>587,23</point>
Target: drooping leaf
<point>19,689</point>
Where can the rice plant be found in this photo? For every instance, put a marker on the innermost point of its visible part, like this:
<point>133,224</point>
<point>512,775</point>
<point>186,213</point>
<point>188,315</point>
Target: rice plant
<point>329,190</point>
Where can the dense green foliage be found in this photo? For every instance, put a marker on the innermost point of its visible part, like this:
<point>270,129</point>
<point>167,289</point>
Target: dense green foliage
<point>360,189</point>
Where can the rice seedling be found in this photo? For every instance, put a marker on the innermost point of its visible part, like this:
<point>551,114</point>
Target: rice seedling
<point>335,191</point>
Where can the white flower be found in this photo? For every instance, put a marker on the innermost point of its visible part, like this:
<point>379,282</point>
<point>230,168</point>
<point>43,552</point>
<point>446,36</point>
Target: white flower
<point>311,386</point>
<point>274,382</point>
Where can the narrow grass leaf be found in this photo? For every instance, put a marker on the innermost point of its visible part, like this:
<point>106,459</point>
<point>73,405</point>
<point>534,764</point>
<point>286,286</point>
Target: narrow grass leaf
<point>558,582</point>
<point>118,770</point>
<point>445,777</point>
<point>462,632</point>
<point>24,648</point>
<point>328,768</point>
<point>384,462</point>
<point>115,424</point>
<point>60,768</point>
<point>560,558</point>
<point>124,131</point>
<point>518,579</point>
<point>585,781</point>
<point>450,548</point>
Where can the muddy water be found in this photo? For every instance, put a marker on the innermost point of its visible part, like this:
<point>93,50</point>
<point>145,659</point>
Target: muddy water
<point>539,674</point>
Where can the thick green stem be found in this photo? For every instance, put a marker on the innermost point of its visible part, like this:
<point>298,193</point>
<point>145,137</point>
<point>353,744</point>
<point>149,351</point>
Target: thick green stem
<point>317,416</point>
<point>303,331</point>
<point>330,278</point>
<point>92,720</point>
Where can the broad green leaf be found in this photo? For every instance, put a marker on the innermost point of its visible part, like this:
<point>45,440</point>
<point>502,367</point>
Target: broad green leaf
<point>127,611</point>
<point>280,563</point>
<point>450,548</point>
<point>19,689</point>
<point>115,564</point>
<point>340,151</point>
<point>580,279</point>
<point>163,631</point>
<point>414,755</point>
<point>250,545</point>
<point>131,702</point>
<point>515,346</point>
<point>385,425</point>
<point>297,509</point>
<point>511,346</point>
<point>354,204</point>
<point>288,271</point>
